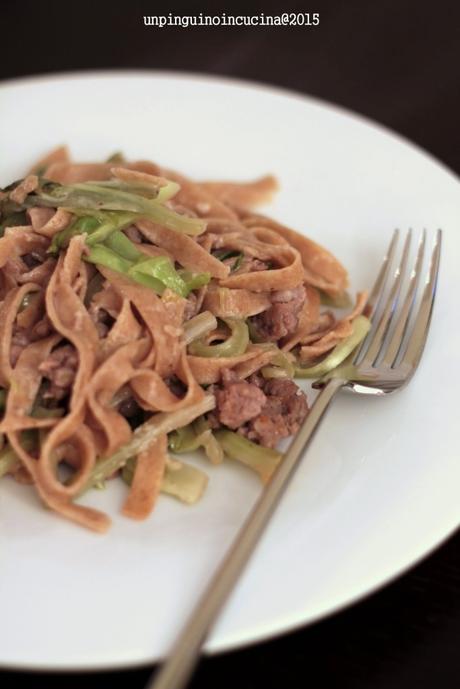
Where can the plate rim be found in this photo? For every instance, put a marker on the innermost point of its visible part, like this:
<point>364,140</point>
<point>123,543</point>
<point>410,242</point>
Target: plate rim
<point>250,84</point>
<point>274,630</point>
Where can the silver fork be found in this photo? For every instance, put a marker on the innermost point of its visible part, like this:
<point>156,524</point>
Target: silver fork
<point>384,363</point>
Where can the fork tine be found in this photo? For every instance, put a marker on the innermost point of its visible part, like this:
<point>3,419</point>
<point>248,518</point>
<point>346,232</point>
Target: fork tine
<point>377,339</point>
<point>419,332</point>
<point>379,285</point>
<point>401,326</point>
<point>378,289</point>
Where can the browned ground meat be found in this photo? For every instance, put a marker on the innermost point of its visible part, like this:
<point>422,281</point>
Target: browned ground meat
<point>238,402</point>
<point>264,411</point>
<point>59,368</point>
<point>282,414</point>
<point>282,318</point>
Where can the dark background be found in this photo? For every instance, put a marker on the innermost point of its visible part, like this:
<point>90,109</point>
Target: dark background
<point>396,62</point>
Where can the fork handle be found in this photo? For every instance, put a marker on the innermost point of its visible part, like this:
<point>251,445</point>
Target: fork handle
<point>178,667</point>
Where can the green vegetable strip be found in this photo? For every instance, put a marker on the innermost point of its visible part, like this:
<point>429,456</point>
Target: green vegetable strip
<point>162,269</point>
<point>196,435</point>
<point>183,440</point>
<point>194,280</point>
<point>236,344</point>
<point>155,272</point>
<point>199,325</point>
<point>263,460</point>
<point>122,245</point>
<point>79,226</point>
<point>114,222</point>
<point>144,435</point>
<point>167,192</point>
<point>182,481</point>
<point>106,257</point>
<point>149,191</point>
<point>173,221</point>
<point>281,366</point>
<point>90,196</point>
<point>361,326</point>
<point>148,281</point>
<point>212,448</point>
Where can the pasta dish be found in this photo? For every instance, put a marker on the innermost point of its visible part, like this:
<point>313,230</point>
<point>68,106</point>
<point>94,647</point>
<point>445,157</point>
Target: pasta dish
<point>144,315</point>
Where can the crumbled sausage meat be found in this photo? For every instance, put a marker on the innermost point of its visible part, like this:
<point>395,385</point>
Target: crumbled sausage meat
<point>282,318</point>
<point>263,411</point>
<point>60,368</point>
<point>282,414</point>
<point>238,402</point>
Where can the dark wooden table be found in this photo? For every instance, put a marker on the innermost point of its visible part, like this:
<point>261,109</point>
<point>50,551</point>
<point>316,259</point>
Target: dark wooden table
<point>397,62</point>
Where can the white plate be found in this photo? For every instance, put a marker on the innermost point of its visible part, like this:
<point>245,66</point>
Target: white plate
<point>379,488</point>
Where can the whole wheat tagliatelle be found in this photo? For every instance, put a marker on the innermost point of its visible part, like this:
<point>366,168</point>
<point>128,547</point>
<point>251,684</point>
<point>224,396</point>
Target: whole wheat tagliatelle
<point>144,315</point>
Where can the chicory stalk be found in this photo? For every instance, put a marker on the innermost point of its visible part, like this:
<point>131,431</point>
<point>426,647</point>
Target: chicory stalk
<point>95,196</point>
<point>162,191</point>
<point>113,222</point>
<point>199,325</point>
<point>98,227</point>
<point>162,270</point>
<point>183,440</point>
<point>144,435</point>
<point>82,225</point>
<point>103,256</point>
<point>182,481</point>
<point>234,345</point>
<point>122,245</point>
<point>156,272</point>
<point>148,281</point>
<point>361,326</point>
<point>263,460</point>
<point>194,280</point>
<point>281,366</point>
<point>212,448</point>
<point>196,435</point>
